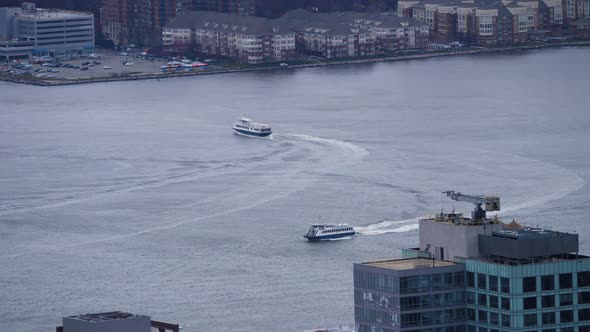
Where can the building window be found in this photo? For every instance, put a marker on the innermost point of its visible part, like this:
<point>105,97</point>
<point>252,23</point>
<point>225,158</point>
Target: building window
<point>505,284</point>
<point>482,316</point>
<point>529,302</point>
<point>470,314</point>
<point>530,320</point>
<point>506,320</point>
<point>566,299</point>
<point>505,303</point>
<point>584,279</point>
<point>529,284</point>
<point>583,297</point>
<point>470,279</point>
<point>471,298</point>
<point>493,301</point>
<point>584,328</point>
<point>548,318</point>
<point>548,301</point>
<point>493,283</point>
<point>481,281</point>
<point>565,281</point>
<point>482,300</point>
<point>584,314</point>
<point>566,316</point>
<point>494,319</point>
<point>547,283</point>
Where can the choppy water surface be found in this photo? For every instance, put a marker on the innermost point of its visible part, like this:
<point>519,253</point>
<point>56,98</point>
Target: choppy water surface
<point>136,195</point>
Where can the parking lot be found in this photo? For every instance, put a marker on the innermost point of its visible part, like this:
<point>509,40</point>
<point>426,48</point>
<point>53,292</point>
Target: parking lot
<point>104,63</point>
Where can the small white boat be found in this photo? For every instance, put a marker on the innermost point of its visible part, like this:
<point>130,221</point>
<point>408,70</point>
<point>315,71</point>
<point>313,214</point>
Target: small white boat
<point>319,232</point>
<point>247,127</point>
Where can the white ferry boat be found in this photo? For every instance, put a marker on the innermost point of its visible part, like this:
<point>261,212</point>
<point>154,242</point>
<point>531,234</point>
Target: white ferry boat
<point>247,127</point>
<point>328,231</point>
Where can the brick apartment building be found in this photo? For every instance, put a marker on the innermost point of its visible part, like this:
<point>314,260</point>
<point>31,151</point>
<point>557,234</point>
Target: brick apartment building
<point>259,40</point>
<point>490,23</point>
<point>137,21</point>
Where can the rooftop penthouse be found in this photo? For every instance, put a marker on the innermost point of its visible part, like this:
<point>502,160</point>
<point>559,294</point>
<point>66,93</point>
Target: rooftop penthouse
<point>113,321</point>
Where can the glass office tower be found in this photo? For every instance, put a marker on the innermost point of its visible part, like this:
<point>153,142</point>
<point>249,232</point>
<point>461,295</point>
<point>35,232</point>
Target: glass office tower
<point>521,279</point>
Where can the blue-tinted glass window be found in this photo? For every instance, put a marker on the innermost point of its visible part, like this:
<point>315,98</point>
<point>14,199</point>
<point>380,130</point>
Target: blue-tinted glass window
<point>482,300</point>
<point>470,297</point>
<point>565,281</point>
<point>583,297</point>
<point>548,318</point>
<point>584,328</point>
<point>567,329</point>
<point>548,301</point>
<point>505,303</point>
<point>529,284</point>
<point>470,279</point>
<point>566,316</point>
<point>493,283</point>
<point>470,314</point>
<point>566,299</point>
<point>494,319</point>
<point>547,283</point>
<point>482,316</point>
<point>584,314</point>
<point>584,279</point>
<point>481,281</point>
<point>493,301</point>
<point>530,320</point>
<point>529,303</point>
<point>505,285</point>
<point>505,320</point>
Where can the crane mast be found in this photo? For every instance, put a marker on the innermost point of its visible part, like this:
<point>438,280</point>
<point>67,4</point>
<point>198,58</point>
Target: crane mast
<point>491,203</point>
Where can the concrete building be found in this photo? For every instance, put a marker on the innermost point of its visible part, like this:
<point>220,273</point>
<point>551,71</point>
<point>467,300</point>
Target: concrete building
<point>113,321</point>
<point>34,31</point>
<point>503,277</point>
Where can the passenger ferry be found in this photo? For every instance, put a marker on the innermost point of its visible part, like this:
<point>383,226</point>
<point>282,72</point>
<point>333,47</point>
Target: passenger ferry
<point>247,127</point>
<point>328,231</point>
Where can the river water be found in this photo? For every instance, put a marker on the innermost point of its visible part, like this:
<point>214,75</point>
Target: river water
<point>136,196</point>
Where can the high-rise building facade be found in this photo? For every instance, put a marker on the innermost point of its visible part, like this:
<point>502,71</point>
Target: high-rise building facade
<point>238,7</point>
<point>139,22</point>
<point>477,275</point>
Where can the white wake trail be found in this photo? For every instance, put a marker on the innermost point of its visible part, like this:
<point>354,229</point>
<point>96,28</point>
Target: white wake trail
<point>388,226</point>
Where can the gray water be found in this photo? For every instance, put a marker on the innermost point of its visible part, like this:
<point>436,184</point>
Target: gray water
<point>137,196</point>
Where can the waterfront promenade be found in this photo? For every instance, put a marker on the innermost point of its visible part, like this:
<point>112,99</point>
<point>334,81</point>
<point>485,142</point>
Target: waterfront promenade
<point>133,76</point>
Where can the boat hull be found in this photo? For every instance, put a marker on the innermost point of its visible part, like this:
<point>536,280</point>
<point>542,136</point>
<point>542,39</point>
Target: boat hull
<point>250,133</point>
<point>328,237</point>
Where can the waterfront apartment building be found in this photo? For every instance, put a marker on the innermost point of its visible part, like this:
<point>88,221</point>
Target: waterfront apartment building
<point>139,22</point>
<point>490,23</point>
<point>261,40</point>
<point>30,31</point>
<point>477,276</point>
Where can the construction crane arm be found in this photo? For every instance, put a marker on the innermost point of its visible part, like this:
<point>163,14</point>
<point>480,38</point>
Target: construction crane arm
<point>491,203</point>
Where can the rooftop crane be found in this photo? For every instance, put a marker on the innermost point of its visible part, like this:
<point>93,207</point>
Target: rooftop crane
<point>491,203</point>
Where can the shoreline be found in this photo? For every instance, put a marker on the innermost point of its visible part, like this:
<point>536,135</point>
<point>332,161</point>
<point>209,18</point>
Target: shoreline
<point>327,62</point>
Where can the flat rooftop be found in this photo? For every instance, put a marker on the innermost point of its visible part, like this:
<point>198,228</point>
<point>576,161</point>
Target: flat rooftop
<point>528,233</point>
<point>53,14</point>
<point>409,264</point>
<point>106,316</point>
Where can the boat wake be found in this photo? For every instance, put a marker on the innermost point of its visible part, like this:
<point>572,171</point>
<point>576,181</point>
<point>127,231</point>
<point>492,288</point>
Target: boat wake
<point>388,226</point>
<point>353,153</point>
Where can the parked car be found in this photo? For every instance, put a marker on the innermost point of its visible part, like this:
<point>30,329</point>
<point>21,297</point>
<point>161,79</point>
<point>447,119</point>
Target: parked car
<point>84,68</point>
<point>107,67</point>
<point>128,64</point>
